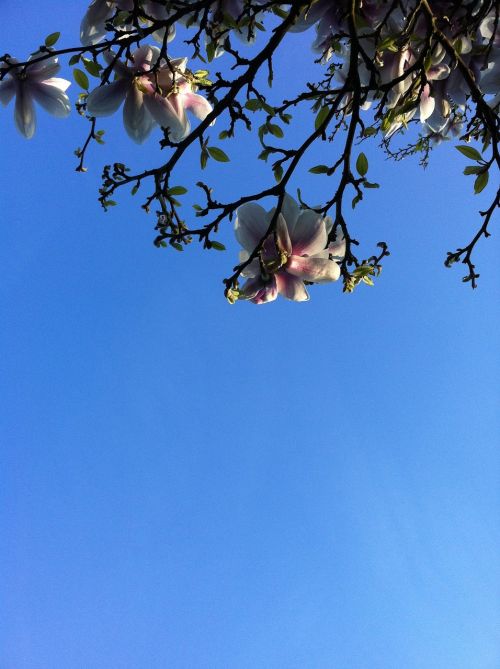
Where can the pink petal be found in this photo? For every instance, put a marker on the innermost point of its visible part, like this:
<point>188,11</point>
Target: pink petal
<point>168,114</point>
<point>197,104</point>
<point>282,236</point>
<point>291,287</point>
<point>427,103</point>
<point>309,235</point>
<point>259,291</point>
<point>317,270</point>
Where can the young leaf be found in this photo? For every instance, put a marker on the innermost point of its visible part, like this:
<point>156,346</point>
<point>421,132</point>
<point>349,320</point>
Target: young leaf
<point>51,39</point>
<point>362,164</point>
<point>217,246</point>
<point>81,79</point>
<point>469,152</point>
<point>218,154</point>
<point>321,116</point>
<point>319,169</point>
<point>275,130</point>
<point>177,190</point>
<point>253,104</point>
<point>92,67</point>
<point>481,182</point>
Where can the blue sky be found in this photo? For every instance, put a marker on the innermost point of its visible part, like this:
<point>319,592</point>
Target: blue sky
<point>191,485</point>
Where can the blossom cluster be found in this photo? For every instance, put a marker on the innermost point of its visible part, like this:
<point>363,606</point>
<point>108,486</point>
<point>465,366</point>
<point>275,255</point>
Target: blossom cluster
<point>434,91</point>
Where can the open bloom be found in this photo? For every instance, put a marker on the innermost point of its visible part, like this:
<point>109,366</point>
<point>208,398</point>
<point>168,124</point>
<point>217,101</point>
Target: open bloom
<point>298,251</point>
<point>35,83</point>
<point>93,25</point>
<point>152,95</point>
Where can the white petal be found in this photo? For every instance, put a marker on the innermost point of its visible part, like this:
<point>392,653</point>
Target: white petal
<point>92,28</point>
<point>7,90</point>
<point>145,57</point>
<point>427,103</point>
<point>251,225</point>
<point>137,120</point>
<point>105,100</point>
<point>24,114</point>
<point>43,69</point>
<point>51,98</point>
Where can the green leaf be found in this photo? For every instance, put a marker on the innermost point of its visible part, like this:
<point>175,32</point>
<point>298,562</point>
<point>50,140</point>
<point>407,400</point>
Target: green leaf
<point>275,130</point>
<point>321,116</point>
<point>74,60</point>
<point>177,190</point>
<point>211,47</point>
<point>81,79</point>
<point>469,152</point>
<point>92,67</point>
<point>203,159</point>
<point>362,164</point>
<point>473,169</point>
<point>481,182</point>
<point>218,154</point>
<point>368,184</point>
<point>319,169</point>
<point>51,39</point>
<point>217,246</point>
<point>253,104</point>
<point>278,173</point>
<point>177,246</point>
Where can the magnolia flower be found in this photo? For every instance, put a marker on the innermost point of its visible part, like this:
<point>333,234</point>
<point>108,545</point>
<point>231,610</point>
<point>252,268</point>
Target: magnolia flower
<point>299,253</point>
<point>93,25</point>
<point>152,96</point>
<point>35,83</point>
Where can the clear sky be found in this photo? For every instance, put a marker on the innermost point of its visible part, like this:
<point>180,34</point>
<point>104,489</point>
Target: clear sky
<point>190,485</point>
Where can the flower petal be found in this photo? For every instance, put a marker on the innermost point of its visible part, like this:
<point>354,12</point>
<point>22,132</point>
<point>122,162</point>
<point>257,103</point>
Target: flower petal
<point>282,236</point>
<point>291,211</point>
<point>259,291</point>
<point>168,114</point>
<point>137,120</point>
<point>145,57</point>
<point>43,69</point>
<point>309,234</point>
<point>251,225</point>
<point>291,287</point>
<point>24,114</point>
<point>92,28</point>
<point>427,103</point>
<point>105,100</point>
<point>7,90</point>
<point>197,104</point>
<point>51,98</point>
<point>317,270</point>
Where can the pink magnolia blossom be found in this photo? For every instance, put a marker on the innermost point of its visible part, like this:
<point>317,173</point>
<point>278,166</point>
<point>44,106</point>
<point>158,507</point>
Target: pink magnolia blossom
<point>300,252</point>
<point>152,95</point>
<point>35,83</point>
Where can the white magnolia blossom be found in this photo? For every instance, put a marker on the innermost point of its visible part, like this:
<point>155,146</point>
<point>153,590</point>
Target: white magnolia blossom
<point>300,253</point>
<point>153,95</point>
<point>35,83</point>
<point>93,25</point>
